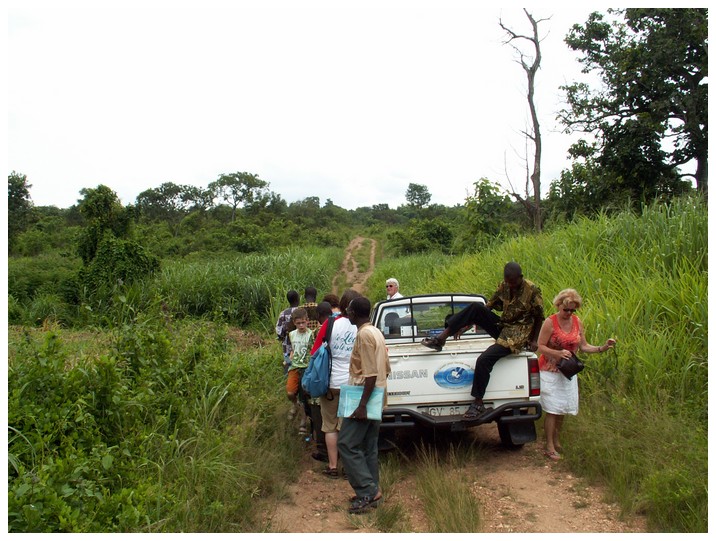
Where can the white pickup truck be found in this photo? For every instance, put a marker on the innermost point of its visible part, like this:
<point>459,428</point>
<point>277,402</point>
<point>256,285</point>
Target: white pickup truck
<point>432,388</point>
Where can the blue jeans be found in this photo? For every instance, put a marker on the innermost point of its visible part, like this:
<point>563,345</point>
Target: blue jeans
<point>358,448</point>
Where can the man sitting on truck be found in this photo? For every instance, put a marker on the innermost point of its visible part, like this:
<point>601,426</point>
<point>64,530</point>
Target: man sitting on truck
<point>520,302</point>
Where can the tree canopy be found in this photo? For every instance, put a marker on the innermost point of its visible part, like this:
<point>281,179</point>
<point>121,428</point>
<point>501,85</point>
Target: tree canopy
<point>650,115</point>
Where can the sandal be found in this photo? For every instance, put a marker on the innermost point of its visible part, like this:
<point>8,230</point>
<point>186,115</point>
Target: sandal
<point>432,343</point>
<point>553,455</point>
<point>332,473</point>
<point>377,498</point>
<point>474,411</point>
<point>363,505</point>
<point>321,457</point>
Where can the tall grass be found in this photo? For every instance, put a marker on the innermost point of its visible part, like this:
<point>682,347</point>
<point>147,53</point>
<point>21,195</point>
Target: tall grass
<point>642,426</point>
<point>448,501</point>
<point>172,430</point>
<point>244,289</point>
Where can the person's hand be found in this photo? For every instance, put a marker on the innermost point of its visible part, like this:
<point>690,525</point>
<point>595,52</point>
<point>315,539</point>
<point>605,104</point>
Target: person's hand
<point>360,413</point>
<point>565,354</point>
<point>610,344</point>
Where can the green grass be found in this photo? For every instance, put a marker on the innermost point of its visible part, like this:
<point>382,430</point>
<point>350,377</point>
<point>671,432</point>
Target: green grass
<point>449,503</point>
<point>642,427</point>
<point>168,429</point>
<point>158,423</point>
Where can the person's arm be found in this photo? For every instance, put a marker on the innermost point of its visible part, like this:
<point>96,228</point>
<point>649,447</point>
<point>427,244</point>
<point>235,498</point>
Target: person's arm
<point>543,339</point>
<point>589,348</point>
<point>495,302</point>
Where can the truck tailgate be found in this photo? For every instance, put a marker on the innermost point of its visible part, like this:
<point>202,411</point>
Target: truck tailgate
<point>422,376</point>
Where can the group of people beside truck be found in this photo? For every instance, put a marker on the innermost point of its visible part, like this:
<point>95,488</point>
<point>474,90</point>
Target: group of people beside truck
<point>360,358</point>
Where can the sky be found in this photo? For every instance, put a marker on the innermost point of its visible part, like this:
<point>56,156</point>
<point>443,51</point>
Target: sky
<point>347,101</point>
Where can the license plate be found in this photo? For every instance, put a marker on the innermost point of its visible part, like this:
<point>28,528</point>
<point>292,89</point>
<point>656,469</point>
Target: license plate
<point>444,411</point>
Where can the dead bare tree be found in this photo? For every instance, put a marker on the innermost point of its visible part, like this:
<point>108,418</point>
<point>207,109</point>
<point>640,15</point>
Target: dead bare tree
<point>530,64</point>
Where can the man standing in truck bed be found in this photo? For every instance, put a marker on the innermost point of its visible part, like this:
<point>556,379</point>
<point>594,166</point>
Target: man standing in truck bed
<point>520,302</point>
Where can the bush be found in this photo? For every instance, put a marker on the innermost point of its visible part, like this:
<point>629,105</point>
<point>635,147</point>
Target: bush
<point>172,431</point>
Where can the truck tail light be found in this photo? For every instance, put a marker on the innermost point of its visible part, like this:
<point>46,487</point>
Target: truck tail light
<point>533,370</point>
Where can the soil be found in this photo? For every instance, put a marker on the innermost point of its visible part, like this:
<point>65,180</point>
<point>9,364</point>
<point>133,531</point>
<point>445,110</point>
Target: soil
<point>519,491</point>
<point>350,269</point>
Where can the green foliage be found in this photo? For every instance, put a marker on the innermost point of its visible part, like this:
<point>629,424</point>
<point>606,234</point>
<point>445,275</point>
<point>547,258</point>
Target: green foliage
<point>103,214</point>
<point>19,206</point>
<point>417,195</point>
<point>414,272</point>
<point>30,276</point>
<point>241,289</point>
<point>446,495</point>
<point>163,434</point>
<point>118,261</point>
<point>653,66</point>
<point>422,235</point>
<point>644,282</point>
<point>236,189</point>
<point>489,213</point>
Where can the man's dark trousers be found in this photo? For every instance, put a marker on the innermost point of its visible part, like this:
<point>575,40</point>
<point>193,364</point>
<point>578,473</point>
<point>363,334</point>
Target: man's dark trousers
<point>478,314</point>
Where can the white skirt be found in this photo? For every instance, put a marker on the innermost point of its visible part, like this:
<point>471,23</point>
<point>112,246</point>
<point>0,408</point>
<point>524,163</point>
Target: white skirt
<point>558,395</point>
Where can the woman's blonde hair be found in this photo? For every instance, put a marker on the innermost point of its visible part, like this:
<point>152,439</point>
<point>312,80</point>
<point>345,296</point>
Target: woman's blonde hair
<point>567,296</point>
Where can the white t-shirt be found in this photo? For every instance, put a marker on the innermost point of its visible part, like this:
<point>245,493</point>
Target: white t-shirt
<point>343,336</point>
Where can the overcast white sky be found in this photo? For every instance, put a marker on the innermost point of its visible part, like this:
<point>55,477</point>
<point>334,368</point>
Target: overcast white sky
<point>348,103</point>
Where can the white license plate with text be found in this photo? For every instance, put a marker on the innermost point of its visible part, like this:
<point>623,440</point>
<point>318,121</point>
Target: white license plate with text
<point>444,411</point>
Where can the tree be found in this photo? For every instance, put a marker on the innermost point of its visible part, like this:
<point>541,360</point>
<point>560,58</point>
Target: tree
<point>417,195</point>
<point>19,206</point>
<point>237,189</point>
<point>103,213</point>
<point>169,202</point>
<point>109,254</point>
<point>652,108</point>
<point>489,211</point>
<point>530,64</point>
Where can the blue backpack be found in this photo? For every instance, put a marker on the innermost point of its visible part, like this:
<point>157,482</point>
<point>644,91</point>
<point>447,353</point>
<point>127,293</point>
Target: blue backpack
<point>317,376</point>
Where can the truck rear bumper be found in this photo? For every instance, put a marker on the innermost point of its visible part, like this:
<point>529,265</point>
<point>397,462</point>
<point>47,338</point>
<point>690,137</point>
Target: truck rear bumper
<point>513,412</point>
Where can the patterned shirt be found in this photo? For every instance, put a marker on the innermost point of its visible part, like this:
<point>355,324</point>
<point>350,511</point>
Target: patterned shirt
<point>561,340</point>
<point>521,313</point>
<point>301,343</point>
<point>282,329</point>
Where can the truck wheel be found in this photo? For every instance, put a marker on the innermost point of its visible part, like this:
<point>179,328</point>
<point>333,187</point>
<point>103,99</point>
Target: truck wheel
<point>515,435</point>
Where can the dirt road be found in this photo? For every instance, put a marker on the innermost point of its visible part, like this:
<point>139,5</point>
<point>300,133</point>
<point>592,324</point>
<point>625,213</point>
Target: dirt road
<point>518,491</point>
<point>350,272</point>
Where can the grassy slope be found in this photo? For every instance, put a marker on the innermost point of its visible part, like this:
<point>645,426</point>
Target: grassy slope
<point>644,282</point>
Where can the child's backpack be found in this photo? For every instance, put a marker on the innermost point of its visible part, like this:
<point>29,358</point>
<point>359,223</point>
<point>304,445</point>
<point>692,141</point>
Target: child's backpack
<point>317,376</point>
